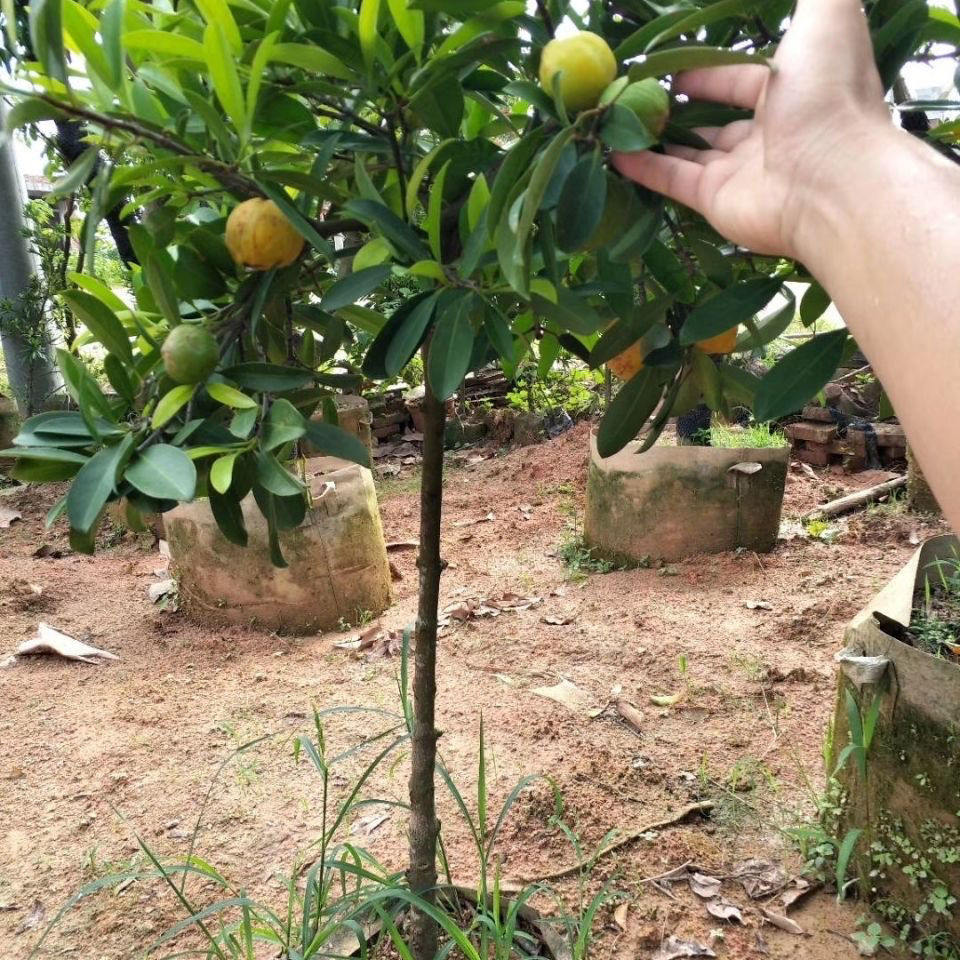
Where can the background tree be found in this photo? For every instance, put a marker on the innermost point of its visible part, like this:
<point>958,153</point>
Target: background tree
<point>422,132</point>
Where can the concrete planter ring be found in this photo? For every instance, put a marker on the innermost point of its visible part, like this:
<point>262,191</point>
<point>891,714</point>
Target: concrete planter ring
<point>675,502</point>
<point>338,568</point>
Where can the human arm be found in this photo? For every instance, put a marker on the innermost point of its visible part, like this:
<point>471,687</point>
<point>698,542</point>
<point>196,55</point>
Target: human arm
<point>820,174</point>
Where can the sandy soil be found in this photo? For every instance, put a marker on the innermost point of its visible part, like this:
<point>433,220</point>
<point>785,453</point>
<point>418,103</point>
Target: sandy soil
<point>94,755</point>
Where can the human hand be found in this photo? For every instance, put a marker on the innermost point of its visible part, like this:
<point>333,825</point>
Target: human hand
<point>814,115</point>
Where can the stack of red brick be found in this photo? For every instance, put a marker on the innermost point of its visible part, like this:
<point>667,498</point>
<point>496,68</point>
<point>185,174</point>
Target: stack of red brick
<point>815,439</point>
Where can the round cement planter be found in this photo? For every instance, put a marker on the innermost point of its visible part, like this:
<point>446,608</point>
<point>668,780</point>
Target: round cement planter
<point>895,757</point>
<point>337,558</point>
<point>674,502</point>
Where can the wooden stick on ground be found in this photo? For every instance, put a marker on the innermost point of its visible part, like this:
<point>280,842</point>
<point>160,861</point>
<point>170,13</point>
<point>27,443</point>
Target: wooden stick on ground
<point>704,806</point>
<point>859,499</point>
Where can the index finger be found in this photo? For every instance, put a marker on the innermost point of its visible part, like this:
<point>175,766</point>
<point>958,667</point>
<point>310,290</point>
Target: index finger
<point>739,85</point>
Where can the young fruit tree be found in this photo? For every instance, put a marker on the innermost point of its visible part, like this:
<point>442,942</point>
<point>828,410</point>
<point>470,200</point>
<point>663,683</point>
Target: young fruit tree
<point>454,150</point>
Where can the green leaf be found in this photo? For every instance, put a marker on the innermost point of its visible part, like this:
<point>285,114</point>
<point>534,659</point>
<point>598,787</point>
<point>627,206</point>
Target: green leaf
<point>273,477</point>
<point>158,271</point>
<point>111,33</point>
<point>101,321</point>
<point>283,423</point>
<point>439,105</point>
<point>629,411</point>
<point>844,853</point>
<point>435,212</point>
<point>407,339</point>
<point>221,472</point>
<point>163,472</point>
<point>84,390</point>
<point>99,289</point>
<point>539,181</point>
<point>514,165</point>
<point>813,304</point>
<point>759,334</point>
<point>623,130</point>
<point>79,173</point>
<point>165,42</point>
<point>729,308</point>
<point>297,220</point>
<point>713,263</point>
<point>498,332</point>
<point>94,484</point>
<point>335,442</point>
<point>230,397</point>
<point>268,377</point>
<point>739,385</point>
<point>222,66</point>
<point>29,110</point>
<point>451,346</point>
<point>571,312</point>
<point>477,201</point>
<point>46,33</point>
<point>580,207</point>
<point>119,378</point>
<point>354,287</point>
<point>367,30</point>
<point>692,22</point>
<point>403,237</point>
<point>227,512</point>
<point>708,378</point>
<point>409,23</point>
<point>799,375</point>
<point>374,363</point>
<point>669,272</point>
<point>627,332</point>
<point>690,58</point>
<point>170,404</point>
<point>313,59</point>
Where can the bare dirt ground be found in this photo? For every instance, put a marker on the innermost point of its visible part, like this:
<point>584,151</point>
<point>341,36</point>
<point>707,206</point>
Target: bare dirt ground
<point>92,755</point>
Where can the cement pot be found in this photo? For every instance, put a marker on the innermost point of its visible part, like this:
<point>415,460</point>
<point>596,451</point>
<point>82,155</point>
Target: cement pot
<point>674,502</point>
<point>353,415</point>
<point>895,759</point>
<point>9,427</point>
<point>337,559</point>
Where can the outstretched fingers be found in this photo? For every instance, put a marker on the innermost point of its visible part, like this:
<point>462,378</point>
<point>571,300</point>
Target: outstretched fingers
<point>738,86</point>
<point>675,177</point>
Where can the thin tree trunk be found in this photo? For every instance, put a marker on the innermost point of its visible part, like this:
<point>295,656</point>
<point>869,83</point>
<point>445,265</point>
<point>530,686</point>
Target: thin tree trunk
<point>34,378</point>
<point>422,872</point>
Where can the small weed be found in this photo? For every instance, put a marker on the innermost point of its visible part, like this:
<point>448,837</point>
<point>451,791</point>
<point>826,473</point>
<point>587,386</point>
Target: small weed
<point>578,557</point>
<point>872,938</point>
<point>759,436</point>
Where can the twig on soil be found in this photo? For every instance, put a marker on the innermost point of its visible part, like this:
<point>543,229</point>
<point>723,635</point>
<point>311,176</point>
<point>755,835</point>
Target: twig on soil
<point>859,499</point>
<point>703,806</point>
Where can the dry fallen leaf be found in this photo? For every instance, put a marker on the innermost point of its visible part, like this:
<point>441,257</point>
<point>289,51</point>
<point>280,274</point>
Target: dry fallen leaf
<point>157,590</point>
<point>784,923</point>
<point>705,886</point>
<point>470,523</point>
<point>366,825</point>
<point>555,621</point>
<point>395,573</point>
<point>758,605</point>
<point>724,910</point>
<point>631,715</point>
<point>8,516</point>
<point>48,640</point>
<point>395,545</point>
<point>566,693</point>
<point>673,947</point>
<point>760,878</point>
<point>665,700</point>
<point>798,890</point>
<point>33,919</point>
<point>621,915</point>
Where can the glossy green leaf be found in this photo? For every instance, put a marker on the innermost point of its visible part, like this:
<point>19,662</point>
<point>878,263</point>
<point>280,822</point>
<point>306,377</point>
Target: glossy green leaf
<point>439,106</point>
<point>813,304</point>
<point>729,308</point>
<point>227,512</point>
<point>374,363</point>
<point>669,272</point>
<point>539,181</point>
<point>283,423</point>
<point>354,287</point>
<point>221,472</point>
<point>267,377</point>
<point>367,30</point>
<point>94,484</point>
<point>407,339</point>
<point>164,472</point>
<point>708,378</point>
<point>409,23</point>
<point>336,442</point>
<point>230,396</point>
<point>272,476</point>
<point>435,212</point>
<point>629,411</point>
<point>625,333</point>
<point>692,22</point>
<point>514,165</point>
<point>223,74</point>
<point>101,321</point>
<point>623,130</point>
<point>170,404</point>
<point>759,333</point>
<point>158,271</point>
<point>46,34</point>
<point>297,220</point>
<point>665,62</point>
<point>314,59</point>
<point>165,42</point>
<point>77,176</point>
<point>29,110</point>
<point>739,385</point>
<point>111,33</point>
<point>571,312</point>
<point>451,346</point>
<point>403,237</point>
<point>799,375</point>
<point>580,207</point>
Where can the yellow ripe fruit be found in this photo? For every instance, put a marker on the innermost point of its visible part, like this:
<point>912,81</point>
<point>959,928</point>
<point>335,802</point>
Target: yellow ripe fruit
<point>626,365</point>
<point>588,66</point>
<point>260,237</point>
<point>721,343</point>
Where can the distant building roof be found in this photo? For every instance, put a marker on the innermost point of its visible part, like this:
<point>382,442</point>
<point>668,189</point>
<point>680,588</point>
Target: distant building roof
<point>37,186</point>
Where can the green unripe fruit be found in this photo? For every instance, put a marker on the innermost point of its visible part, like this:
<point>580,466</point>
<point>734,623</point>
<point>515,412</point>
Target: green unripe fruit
<point>190,354</point>
<point>646,98</point>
